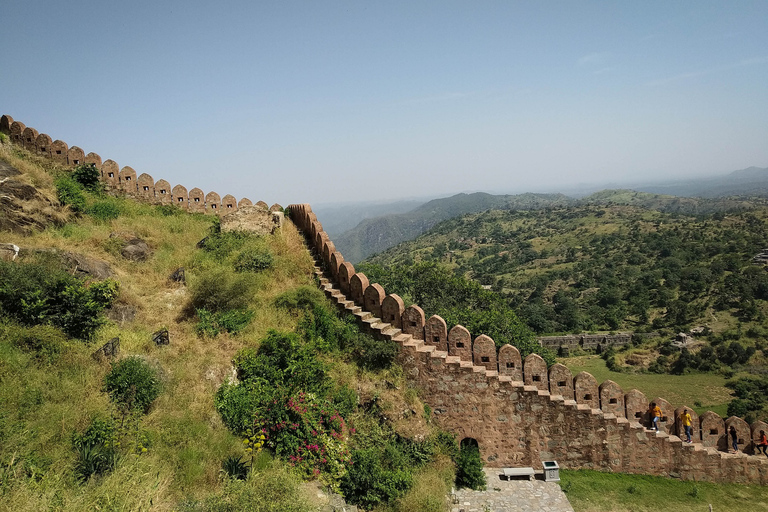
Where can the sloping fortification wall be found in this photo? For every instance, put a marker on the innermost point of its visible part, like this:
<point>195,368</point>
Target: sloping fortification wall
<point>142,187</point>
<point>521,412</point>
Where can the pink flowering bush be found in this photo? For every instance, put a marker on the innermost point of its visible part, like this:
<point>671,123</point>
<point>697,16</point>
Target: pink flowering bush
<point>306,431</point>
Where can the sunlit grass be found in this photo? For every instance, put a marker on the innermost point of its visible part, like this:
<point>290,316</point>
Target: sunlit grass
<point>680,390</point>
<point>594,491</point>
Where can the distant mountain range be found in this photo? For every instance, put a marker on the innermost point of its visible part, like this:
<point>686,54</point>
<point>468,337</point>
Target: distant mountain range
<point>385,225</point>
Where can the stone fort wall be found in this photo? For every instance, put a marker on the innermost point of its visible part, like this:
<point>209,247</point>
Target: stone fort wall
<point>519,411</point>
<point>522,413</point>
<point>125,180</point>
<point>595,342</point>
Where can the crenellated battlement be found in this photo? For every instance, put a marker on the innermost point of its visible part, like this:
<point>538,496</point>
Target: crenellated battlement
<point>521,412</point>
<point>123,180</point>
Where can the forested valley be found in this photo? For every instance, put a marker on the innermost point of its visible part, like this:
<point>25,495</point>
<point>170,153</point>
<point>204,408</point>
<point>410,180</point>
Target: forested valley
<point>618,261</point>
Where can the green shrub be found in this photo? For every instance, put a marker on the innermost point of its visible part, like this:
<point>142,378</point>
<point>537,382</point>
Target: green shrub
<point>132,384</point>
<point>221,290</point>
<point>41,293</point>
<point>373,354</point>
<point>254,260</point>
<point>104,210</point>
<point>235,467</point>
<point>300,299</point>
<point>469,468</point>
<point>374,480</point>
<point>282,360</point>
<point>222,245</point>
<point>95,449</point>
<point>70,193</point>
<point>212,324</point>
<point>237,405</point>
<point>88,177</point>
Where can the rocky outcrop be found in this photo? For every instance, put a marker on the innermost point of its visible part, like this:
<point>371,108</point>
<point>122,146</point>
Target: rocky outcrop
<point>257,219</point>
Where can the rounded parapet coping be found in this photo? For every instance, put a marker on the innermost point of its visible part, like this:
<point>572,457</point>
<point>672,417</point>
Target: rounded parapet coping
<point>163,192</point>
<point>244,202</point>
<point>357,285</point>
<point>29,139</point>
<point>196,200</point>
<point>93,158</point>
<point>43,144</point>
<point>460,342</point>
<point>336,260</point>
<point>510,362</point>
<point>373,296</point>
<point>743,432</point>
<point>60,152</point>
<point>110,173</point>
<point>484,353</point>
<point>636,407</point>
<point>561,381</point>
<point>413,321</point>
<point>346,271</point>
<point>228,203</point>
<point>328,249</point>
<point>17,132</point>
<point>128,181</point>
<point>586,390</point>
<point>212,203</point>
<point>535,372</point>
<point>5,124</point>
<point>611,398</point>
<point>75,156</point>
<point>713,433</point>
<point>392,308</point>
<point>180,196</point>
<point>436,332</point>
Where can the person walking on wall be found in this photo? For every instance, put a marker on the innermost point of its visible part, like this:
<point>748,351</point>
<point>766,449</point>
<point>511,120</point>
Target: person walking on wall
<point>763,444</point>
<point>685,421</point>
<point>734,439</point>
<point>655,415</point>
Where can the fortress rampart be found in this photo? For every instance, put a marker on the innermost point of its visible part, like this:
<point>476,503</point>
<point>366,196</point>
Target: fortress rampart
<point>521,412</point>
<point>124,180</point>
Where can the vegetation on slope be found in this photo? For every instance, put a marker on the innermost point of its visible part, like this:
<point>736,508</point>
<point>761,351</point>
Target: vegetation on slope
<point>164,427</point>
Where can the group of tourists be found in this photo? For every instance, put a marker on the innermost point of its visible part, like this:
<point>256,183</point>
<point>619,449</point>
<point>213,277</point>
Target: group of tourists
<point>655,415</point>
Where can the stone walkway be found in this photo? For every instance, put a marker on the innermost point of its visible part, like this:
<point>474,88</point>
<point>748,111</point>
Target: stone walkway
<point>512,496</point>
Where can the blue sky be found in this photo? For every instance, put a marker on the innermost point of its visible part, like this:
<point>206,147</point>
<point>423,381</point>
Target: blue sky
<point>321,102</point>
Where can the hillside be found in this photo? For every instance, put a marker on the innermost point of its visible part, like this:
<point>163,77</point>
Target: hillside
<point>377,234</point>
<point>143,351</point>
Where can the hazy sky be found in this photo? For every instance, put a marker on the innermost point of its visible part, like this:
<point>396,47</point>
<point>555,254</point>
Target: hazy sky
<point>318,101</point>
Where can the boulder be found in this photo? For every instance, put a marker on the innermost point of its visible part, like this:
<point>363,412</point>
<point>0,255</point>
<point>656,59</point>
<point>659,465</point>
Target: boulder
<point>136,250</point>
